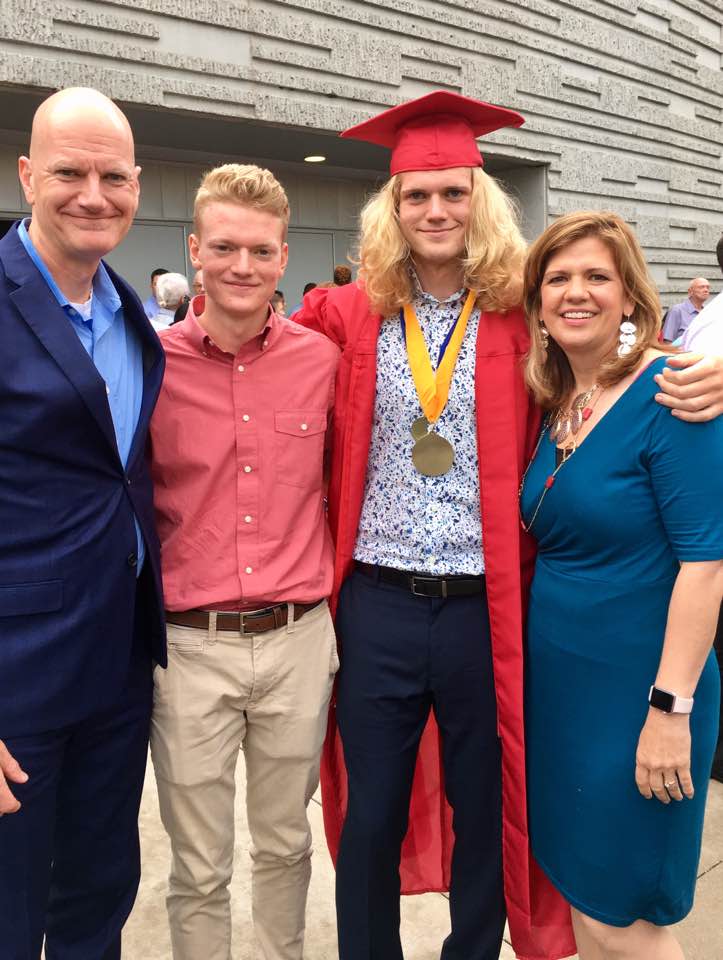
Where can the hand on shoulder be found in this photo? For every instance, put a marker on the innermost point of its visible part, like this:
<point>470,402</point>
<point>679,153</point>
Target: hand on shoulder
<point>691,386</point>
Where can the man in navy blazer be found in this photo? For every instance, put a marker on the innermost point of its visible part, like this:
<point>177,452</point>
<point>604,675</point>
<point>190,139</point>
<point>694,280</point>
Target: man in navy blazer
<point>81,616</point>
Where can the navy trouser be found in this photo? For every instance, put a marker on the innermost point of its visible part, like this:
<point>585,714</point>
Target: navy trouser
<point>69,858</point>
<point>403,655</point>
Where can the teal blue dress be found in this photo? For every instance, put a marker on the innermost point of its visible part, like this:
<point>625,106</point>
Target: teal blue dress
<point>643,492</point>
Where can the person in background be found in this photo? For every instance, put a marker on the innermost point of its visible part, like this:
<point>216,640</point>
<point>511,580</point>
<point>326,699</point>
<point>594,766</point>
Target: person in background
<point>278,302</point>
<point>197,285</point>
<point>680,315</point>
<point>238,443</point>
<point>342,275</point>
<point>307,287</point>
<point>171,291</point>
<point>705,333</point>
<point>80,595</point>
<point>150,304</point>
<point>622,692</point>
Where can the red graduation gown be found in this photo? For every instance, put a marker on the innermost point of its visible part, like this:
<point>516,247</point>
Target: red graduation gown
<point>507,427</point>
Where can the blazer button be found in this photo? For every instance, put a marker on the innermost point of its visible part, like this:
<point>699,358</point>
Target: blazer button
<point>131,560</point>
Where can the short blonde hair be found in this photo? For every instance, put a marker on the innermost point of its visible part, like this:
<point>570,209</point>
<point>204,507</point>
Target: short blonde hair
<point>244,184</point>
<point>548,372</point>
<point>492,261</point>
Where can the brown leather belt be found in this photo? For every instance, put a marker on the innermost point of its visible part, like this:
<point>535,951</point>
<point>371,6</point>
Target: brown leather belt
<point>255,621</point>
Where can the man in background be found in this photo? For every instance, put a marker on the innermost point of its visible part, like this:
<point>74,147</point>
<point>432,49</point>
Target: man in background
<point>278,302</point>
<point>197,285</point>
<point>80,610</point>
<point>705,333</point>
<point>681,315</point>
<point>151,304</point>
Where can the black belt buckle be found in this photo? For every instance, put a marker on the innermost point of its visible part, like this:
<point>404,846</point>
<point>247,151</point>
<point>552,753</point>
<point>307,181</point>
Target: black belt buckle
<point>432,581</point>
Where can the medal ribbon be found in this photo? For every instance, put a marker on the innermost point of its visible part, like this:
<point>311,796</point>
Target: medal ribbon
<point>433,386</point>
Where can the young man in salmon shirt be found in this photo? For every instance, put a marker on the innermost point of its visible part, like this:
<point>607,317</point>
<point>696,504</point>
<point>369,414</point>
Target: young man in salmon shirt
<point>238,442</point>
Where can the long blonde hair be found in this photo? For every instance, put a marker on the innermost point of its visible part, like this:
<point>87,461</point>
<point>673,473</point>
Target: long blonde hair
<point>494,248</point>
<point>548,372</point>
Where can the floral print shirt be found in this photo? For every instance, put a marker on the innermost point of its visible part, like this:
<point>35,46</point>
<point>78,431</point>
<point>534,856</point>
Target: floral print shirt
<point>411,521</point>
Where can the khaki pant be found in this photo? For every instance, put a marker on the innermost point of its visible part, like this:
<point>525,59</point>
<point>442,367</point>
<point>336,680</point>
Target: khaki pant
<point>269,694</point>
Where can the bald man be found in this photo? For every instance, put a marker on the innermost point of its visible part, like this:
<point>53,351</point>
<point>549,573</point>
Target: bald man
<point>80,614</point>
<point>681,315</point>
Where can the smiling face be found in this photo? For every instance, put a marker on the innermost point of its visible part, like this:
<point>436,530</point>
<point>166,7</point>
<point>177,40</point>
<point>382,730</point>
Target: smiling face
<point>582,299</point>
<point>82,183</point>
<point>242,253</point>
<point>434,207</point>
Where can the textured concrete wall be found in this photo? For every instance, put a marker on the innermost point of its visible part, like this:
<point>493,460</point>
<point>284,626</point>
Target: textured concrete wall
<point>623,97</point>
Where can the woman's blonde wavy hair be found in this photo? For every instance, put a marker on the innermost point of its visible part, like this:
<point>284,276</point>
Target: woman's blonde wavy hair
<point>493,257</point>
<point>548,372</point>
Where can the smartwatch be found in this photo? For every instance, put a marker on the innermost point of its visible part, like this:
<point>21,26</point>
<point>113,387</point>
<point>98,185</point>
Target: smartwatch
<point>669,702</point>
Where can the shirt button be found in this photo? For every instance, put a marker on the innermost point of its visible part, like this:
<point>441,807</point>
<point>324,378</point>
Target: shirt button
<point>240,368</point>
<point>265,343</point>
<point>249,569</point>
<point>246,418</point>
<point>304,426</point>
<point>247,519</point>
<point>247,469</point>
<point>132,560</point>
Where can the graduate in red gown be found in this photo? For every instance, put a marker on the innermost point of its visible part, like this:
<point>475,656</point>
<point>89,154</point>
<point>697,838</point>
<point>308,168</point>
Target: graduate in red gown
<point>442,650</point>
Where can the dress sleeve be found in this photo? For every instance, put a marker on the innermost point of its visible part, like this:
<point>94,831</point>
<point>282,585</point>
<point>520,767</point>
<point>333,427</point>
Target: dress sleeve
<point>686,469</point>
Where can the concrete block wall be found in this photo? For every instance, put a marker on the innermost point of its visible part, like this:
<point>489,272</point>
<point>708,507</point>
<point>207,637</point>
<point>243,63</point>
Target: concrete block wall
<point>623,98</point>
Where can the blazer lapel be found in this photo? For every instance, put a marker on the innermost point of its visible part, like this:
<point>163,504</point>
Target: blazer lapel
<point>42,313</point>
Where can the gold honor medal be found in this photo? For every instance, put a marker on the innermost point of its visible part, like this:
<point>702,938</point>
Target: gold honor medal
<point>432,455</point>
<point>420,428</point>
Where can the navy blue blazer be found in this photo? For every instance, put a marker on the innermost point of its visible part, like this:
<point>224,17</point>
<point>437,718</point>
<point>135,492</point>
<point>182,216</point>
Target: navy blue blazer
<point>67,537</point>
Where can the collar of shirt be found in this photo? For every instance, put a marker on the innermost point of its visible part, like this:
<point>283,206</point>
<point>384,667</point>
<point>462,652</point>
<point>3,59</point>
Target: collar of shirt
<point>421,296</point>
<point>105,302</point>
<point>688,307</point>
<point>254,348</point>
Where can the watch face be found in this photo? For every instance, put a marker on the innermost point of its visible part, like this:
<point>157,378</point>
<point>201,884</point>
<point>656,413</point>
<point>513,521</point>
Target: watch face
<point>662,700</point>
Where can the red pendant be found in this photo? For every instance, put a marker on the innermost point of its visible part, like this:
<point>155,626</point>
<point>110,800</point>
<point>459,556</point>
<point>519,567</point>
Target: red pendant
<point>587,413</point>
<point>549,482</point>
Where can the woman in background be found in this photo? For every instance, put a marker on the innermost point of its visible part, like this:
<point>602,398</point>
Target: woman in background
<point>624,501</point>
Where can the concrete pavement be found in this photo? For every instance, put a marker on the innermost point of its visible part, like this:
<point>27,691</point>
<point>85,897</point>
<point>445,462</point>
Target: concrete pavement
<point>425,919</point>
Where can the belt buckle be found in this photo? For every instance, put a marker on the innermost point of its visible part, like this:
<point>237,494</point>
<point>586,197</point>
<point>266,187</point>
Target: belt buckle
<point>415,579</point>
<point>254,613</point>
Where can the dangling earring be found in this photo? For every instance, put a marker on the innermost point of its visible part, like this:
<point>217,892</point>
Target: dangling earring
<point>545,337</point>
<point>627,336</point>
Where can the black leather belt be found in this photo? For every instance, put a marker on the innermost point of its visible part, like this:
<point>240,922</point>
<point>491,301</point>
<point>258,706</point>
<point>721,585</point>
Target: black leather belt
<point>424,585</point>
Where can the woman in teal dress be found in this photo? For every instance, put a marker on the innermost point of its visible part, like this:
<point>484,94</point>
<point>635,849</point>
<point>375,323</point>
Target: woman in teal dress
<point>626,504</point>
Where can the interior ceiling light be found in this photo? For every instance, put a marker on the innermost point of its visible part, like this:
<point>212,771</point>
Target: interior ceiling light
<point>315,158</point>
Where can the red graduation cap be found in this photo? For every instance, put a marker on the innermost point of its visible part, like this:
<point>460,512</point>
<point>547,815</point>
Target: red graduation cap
<point>434,132</point>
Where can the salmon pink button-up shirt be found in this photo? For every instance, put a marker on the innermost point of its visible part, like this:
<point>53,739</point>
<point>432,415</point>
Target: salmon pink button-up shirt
<point>238,447</point>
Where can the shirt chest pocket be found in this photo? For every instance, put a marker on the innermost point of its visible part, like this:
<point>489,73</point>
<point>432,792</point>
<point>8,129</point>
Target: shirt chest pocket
<point>299,447</point>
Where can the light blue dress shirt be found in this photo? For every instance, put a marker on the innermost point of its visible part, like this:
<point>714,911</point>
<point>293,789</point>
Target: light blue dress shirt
<point>115,349</point>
